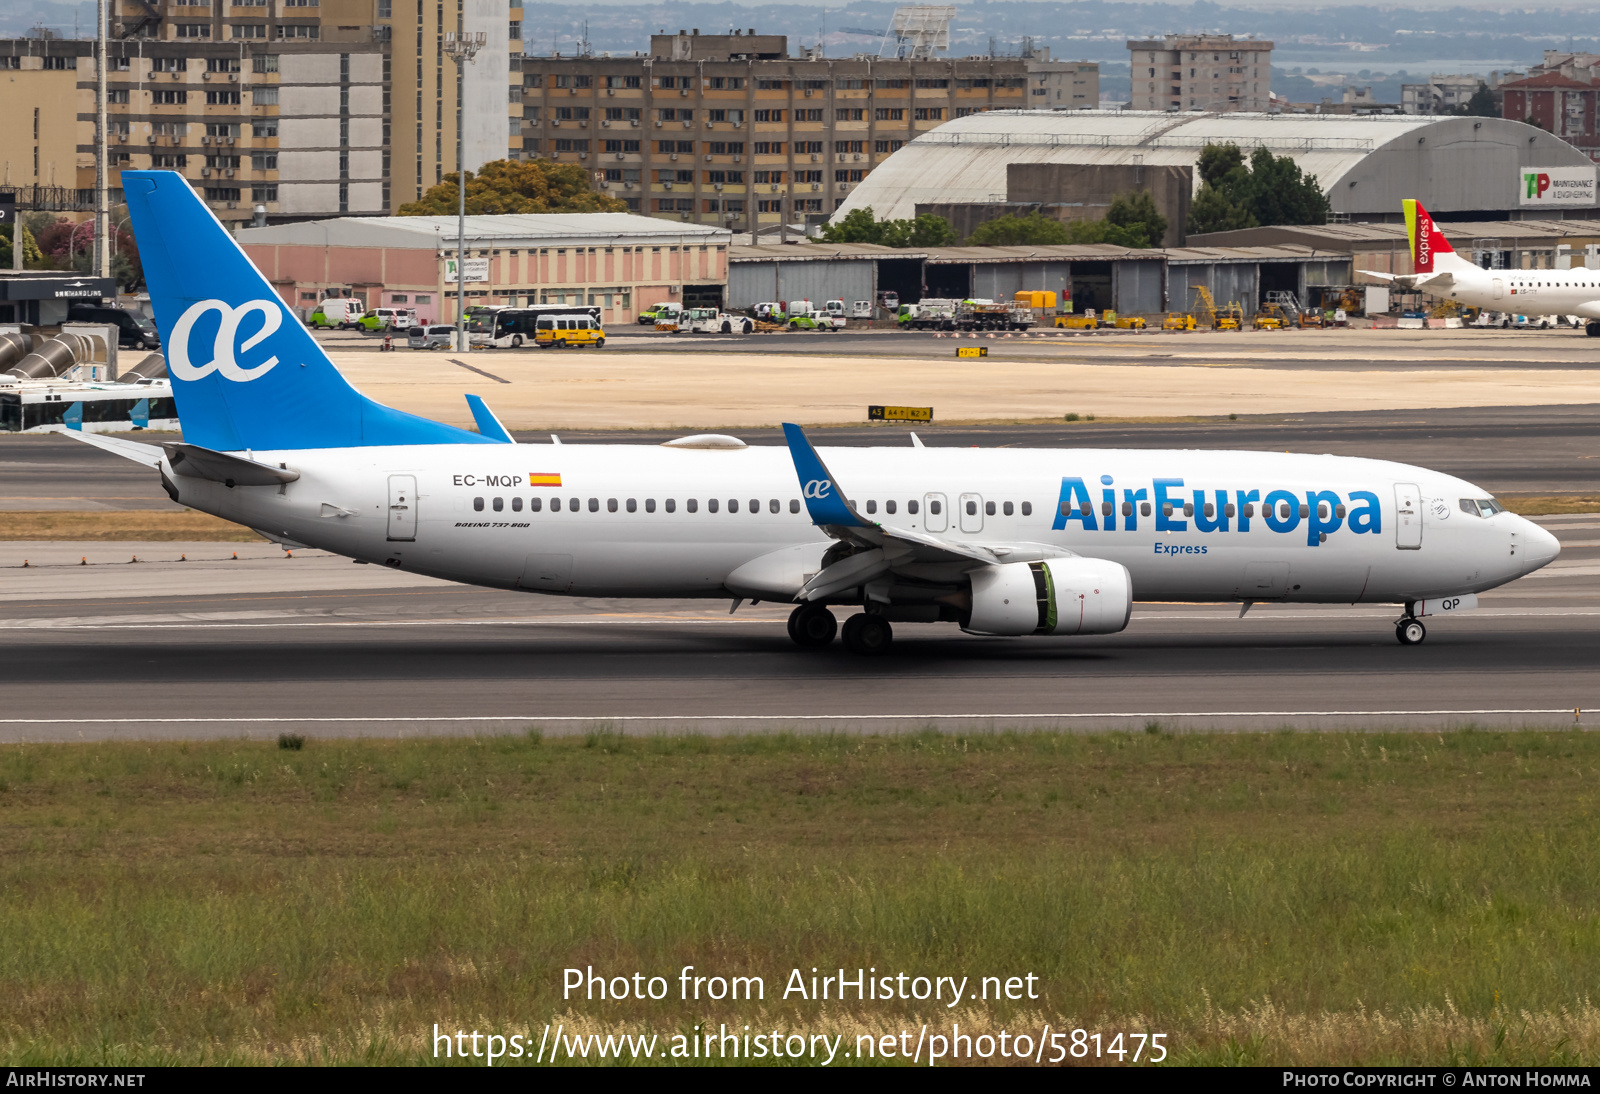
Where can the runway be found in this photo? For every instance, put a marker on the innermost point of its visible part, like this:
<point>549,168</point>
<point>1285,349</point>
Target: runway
<point>216,647</point>
<point>306,642</point>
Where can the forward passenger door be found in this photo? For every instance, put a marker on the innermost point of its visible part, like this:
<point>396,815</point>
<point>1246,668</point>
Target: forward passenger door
<point>1407,517</point>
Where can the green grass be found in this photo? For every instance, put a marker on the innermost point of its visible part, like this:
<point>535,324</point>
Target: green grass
<point>1269,898</point>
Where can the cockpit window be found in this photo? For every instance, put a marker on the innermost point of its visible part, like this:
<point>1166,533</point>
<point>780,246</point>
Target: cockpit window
<point>1481,507</point>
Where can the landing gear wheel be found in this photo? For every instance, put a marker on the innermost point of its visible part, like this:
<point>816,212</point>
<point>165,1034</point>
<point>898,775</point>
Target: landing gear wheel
<point>1592,329</point>
<point>812,626</point>
<point>868,635</point>
<point>1410,632</point>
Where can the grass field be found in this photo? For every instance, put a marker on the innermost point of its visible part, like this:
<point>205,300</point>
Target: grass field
<point>122,524</point>
<point>1310,898</point>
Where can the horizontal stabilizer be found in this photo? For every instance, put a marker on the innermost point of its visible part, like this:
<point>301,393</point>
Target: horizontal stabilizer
<point>203,463</point>
<point>147,454</point>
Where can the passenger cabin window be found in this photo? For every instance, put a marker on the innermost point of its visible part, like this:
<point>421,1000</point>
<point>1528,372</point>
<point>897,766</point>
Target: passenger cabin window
<point>1007,508</point>
<point>755,505</point>
<point>794,505</point>
<point>911,507</point>
<point>477,505</point>
<point>672,505</point>
<point>1144,509</point>
<point>1027,508</point>
<point>572,505</point>
<point>499,504</point>
<point>516,505</point>
<point>535,504</point>
<point>711,505</point>
<point>611,505</point>
<point>633,505</point>
<point>888,507</point>
<point>693,505</point>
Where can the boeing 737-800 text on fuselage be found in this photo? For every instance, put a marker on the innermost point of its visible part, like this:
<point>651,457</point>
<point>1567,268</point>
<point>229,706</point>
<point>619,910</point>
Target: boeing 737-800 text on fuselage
<point>1440,272</point>
<point>1001,542</point>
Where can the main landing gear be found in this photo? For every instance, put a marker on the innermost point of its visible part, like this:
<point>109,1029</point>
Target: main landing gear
<point>812,626</point>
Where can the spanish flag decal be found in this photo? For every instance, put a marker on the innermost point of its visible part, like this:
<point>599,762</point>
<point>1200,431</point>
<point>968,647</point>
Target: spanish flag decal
<point>545,478</point>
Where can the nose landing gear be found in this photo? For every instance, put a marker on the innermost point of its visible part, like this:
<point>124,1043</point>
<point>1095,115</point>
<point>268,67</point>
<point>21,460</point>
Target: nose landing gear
<point>1410,631</point>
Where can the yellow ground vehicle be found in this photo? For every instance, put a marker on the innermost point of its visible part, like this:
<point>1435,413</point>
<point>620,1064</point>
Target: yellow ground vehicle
<point>1077,322</point>
<point>1177,320</point>
<point>1126,322</point>
<point>568,331</point>
<point>1269,317</point>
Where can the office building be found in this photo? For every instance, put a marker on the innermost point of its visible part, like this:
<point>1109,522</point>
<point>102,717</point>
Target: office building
<point>730,129</point>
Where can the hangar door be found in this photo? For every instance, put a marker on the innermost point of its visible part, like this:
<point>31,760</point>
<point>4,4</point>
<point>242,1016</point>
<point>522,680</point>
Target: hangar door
<point>825,280</point>
<point>1091,286</point>
<point>1138,287</point>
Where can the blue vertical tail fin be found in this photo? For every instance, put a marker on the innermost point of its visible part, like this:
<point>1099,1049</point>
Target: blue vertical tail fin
<point>245,373</point>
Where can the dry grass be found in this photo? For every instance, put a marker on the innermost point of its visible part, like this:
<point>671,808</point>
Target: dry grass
<point>1544,505</point>
<point>123,524</point>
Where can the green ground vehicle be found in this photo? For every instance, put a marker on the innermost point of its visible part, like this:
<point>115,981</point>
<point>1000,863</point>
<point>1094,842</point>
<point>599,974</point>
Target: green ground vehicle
<point>668,310</point>
<point>344,312</point>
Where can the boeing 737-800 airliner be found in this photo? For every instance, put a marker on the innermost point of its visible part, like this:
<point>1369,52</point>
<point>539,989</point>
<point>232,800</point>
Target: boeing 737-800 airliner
<point>1000,542</point>
<point>1442,273</point>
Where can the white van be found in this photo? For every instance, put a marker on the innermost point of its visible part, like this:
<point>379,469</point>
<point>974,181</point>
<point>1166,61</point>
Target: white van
<point>397,318</point>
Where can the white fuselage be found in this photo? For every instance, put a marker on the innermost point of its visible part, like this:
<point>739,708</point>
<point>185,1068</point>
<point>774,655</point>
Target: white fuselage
<point>735,525</point>
<point>1521,292</point>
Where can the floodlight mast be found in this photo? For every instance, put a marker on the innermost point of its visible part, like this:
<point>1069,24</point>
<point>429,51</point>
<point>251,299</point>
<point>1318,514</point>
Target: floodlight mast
<point>921,30</point>
<point>462,48</point>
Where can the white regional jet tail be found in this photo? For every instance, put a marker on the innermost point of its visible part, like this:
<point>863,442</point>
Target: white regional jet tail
<point>1438,268</point>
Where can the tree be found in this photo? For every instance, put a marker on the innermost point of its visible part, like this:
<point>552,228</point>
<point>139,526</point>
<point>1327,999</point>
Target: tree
<point>1281,193</point>
<point>861,226</point>
<point>1014,231</point>
<point>31,258</point>
<point>1213,212</point>
<point>510,186</point>
<point>1138,210</point>
<point>1267,190</point>
<point>1481,105</point>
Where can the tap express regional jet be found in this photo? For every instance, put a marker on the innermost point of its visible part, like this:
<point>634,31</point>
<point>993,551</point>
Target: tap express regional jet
<point>1440,272</point>
<point>999,542</point>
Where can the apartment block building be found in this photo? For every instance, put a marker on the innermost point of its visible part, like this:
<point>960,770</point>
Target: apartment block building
<point>1216,72</point>
<point>1439,95</point>
<point>729,129</point>
<point>285,104</point>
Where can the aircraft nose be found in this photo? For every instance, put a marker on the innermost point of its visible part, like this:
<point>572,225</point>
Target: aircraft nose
<point>1540,547</point>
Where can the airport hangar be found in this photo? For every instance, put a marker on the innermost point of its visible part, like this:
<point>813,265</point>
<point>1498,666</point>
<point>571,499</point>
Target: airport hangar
<point>1099,276</point>
<point>1460,168</point>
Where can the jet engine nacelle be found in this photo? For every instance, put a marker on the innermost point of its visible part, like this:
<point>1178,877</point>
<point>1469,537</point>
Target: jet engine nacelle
<point>1057,596</point>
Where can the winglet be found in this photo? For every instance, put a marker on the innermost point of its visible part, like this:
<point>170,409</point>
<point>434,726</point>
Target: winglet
<point>488,425</point>
<point>824,499</point>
